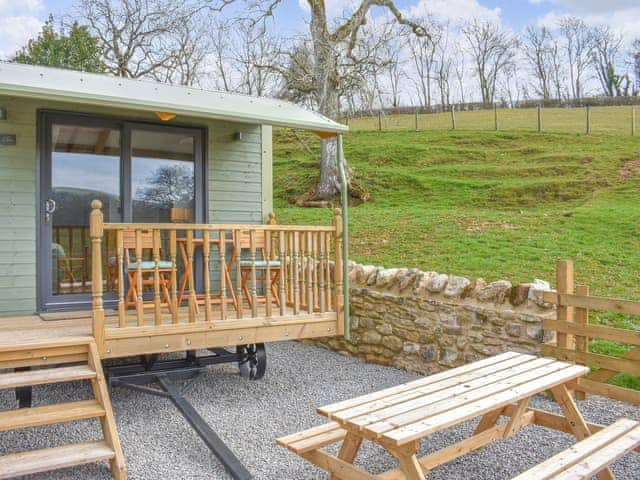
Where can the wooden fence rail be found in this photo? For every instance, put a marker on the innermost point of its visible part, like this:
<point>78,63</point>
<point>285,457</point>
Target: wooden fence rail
<point>574,332</point>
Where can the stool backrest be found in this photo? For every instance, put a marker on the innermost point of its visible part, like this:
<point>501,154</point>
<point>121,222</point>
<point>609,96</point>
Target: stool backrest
<point>129,242</point>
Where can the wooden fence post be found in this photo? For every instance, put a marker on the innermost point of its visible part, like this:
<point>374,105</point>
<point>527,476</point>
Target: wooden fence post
<point>96,231</point>
<point>588,119</point>
<point>582,342</point>
<point>539,118</point>
<point>453,117</point>
<point>565,284</point>
<point>495,117</point>
<point>379,120</point>
<point>633,121</point>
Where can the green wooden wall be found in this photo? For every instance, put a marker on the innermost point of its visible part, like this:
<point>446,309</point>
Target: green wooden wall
<point>239,190</point>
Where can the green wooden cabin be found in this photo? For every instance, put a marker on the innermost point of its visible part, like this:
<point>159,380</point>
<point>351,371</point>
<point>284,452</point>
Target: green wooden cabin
<point>150,152</point>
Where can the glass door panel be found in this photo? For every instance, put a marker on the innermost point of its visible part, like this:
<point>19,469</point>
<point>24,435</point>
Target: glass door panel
<point>85,165</point>
<point>163,176</point>
<point>141,173</point>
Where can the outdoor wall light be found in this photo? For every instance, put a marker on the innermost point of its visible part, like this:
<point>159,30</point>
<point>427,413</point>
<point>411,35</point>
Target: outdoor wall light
<point>165,116</point>
<point>239,136</point>
<point>3,113</point>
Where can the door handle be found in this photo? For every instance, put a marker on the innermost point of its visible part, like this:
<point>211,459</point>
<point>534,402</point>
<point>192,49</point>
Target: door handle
<point>49,209</point>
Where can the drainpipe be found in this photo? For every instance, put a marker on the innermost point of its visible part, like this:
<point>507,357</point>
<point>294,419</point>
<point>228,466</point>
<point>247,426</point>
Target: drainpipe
<point>345,235</point>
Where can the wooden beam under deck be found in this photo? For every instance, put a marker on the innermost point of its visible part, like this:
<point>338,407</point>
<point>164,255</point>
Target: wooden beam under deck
<point>168,337</point>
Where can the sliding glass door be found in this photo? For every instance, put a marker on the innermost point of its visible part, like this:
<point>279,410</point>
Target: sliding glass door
<point>141,173</point>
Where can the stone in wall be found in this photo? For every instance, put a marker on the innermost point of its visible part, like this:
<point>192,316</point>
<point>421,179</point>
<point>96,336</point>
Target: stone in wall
<point>426,321</point>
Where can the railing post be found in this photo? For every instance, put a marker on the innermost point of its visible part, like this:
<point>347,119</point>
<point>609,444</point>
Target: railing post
<point>96,231</point>
<point>338,301</point>
<point>582,341</point>
<point>565,284</point>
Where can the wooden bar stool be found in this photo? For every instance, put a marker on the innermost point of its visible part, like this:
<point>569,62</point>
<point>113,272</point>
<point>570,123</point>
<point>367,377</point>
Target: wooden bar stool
<point>148,268</point>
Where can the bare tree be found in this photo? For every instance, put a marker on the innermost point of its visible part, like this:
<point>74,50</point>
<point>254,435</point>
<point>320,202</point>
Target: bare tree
<point>539,52</point>
<point>394,69</point>
<point>606,51</point>
<point>190,45</point>
<point>459,67</point>
<point>492,49</point>
<point>146,38</point>
<point>635,59</point>
<point>362,81</point>
<point>255,52</point>
<point>220,41</point>
<point>444,65</point>
<point>423,56</point>
<point>332,45</point>
<point>557,69</point>
<point>578,47</point>
<point>296,70</point>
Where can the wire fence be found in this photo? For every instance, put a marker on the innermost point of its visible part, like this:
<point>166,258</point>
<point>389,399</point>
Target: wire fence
<point>614,120</point>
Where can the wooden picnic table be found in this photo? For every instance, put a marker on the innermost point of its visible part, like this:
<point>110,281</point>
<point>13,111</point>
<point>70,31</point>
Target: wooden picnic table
<point>398,418</point>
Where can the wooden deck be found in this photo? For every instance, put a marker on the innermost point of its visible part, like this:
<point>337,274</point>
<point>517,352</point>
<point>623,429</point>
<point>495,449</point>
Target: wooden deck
<point>260,283</point>
<point>167,337</point>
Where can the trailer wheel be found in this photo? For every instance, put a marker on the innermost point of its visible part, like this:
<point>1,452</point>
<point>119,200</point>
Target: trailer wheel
<point>23,396</point>
<point>253,360</point>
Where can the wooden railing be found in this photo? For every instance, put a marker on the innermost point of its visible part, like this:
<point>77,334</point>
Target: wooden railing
<point>71,258</point>
<point>574,333</point>
<point>186,274</point>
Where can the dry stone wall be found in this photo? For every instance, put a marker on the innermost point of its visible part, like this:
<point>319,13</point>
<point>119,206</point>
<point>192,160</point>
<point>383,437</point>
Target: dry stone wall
<point>426,322</point>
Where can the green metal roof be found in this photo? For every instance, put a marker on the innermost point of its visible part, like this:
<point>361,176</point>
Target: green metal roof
<point>105,90</point>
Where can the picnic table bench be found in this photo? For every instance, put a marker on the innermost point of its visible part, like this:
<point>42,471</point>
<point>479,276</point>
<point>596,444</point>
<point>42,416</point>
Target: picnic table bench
<point>397,418</point>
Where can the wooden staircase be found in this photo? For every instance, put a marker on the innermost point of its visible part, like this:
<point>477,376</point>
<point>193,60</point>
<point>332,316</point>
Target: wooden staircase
<point>48,355</point>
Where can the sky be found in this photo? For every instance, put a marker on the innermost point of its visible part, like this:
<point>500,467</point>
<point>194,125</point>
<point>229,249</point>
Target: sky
<point>22,19</point>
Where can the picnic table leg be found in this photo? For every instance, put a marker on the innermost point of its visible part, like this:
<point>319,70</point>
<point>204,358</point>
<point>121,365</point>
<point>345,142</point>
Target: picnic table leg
<point>411,467</point>
<point>408,461</point>
<point>514,423</point>
<point>577,424</point>
<point>488,420</point>
<point>348,451</point>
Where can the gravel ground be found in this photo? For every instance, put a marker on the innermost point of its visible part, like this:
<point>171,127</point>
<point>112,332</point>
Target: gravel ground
<point>158,444</point>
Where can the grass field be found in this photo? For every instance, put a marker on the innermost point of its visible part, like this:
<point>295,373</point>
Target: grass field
<point>488,204</point>
<point>616,120</point>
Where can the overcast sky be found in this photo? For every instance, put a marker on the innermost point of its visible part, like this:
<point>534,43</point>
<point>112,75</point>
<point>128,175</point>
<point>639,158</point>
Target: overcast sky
<point>22,19</point>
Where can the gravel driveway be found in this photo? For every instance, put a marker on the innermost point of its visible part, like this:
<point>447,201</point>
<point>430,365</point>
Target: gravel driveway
<point>159,444</point>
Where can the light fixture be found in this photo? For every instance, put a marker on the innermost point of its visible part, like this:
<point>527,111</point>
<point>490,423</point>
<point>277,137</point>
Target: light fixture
<point>238,136</point>
<point>3,113</point>
<point>165,116</point>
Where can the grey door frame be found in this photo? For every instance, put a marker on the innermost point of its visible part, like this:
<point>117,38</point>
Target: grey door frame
<point>47,302</point>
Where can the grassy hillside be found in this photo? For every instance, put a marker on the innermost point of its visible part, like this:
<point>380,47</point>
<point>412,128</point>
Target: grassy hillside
<point>493,205</point>
<point>488,204</point>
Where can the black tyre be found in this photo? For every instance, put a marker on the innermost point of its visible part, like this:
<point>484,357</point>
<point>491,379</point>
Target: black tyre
<point>253,360</point>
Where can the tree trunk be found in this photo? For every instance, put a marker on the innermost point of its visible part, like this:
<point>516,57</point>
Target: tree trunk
<point>329,183</point>
<point>328,84</point>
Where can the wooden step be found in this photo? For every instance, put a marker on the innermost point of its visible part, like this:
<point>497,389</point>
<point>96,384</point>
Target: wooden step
<point>50,414</point>
<point>26,463</point>
<point>47,375</point>
<point>50,343</point>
